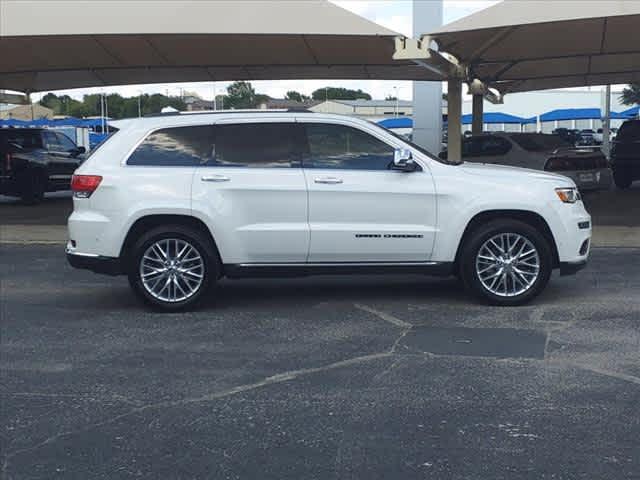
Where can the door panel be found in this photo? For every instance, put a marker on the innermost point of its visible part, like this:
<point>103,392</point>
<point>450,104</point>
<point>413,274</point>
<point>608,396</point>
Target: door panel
<point>61,162</point>
<point>366,212</point>
<point>254,193</point>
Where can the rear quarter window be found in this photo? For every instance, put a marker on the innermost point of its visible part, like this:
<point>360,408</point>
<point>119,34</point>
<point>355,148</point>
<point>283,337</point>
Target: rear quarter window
<point>175,147</point>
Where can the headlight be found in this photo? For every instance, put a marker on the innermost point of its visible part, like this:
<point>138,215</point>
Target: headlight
<point>568,194</point>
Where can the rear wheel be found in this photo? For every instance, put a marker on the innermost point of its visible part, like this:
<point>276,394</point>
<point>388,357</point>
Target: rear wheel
<point>33,184</point>
<point>622,179</point>
<point>506,262</point>
<point>172,268</point>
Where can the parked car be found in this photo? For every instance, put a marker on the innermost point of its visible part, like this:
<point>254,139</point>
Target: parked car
<point>178,201</point>
<point>568,134</point>
<point>625,154</point>
<point>35,161</point>
<point>586,138</point>
<point>587,167</point>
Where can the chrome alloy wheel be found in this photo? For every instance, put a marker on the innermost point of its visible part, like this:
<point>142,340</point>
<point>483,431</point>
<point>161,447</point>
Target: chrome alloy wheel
<point>172,270</point>
<point>507,264</point>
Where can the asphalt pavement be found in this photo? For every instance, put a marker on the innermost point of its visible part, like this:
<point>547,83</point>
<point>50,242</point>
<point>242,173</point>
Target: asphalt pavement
<point>362,377</point>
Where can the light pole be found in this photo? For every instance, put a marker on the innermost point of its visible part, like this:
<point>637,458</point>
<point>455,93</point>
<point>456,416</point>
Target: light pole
<point>397,101</point>
<point>139,103</point>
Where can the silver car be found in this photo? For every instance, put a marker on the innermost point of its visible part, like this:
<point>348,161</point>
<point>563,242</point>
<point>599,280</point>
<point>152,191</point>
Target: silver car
<point>586,166</point>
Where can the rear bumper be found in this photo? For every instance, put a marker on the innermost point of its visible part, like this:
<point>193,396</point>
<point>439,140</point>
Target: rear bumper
<point>599,179</point>
<point>571,268</point>
<point>95,263</point>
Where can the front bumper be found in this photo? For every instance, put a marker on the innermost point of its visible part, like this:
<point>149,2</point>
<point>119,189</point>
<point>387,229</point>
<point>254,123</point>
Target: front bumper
<point>95,263</point>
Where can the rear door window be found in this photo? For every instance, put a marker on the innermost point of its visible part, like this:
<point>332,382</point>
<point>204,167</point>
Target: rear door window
<point>257,145</point>
<point>175,147</point>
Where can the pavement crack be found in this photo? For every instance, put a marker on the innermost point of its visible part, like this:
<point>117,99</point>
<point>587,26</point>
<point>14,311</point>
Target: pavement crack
<point>601,371</point>
<point>273,379</point>
<point>383,316</point>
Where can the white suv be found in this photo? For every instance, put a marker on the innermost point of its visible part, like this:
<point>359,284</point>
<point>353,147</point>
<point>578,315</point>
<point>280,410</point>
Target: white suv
<point>177,202</point>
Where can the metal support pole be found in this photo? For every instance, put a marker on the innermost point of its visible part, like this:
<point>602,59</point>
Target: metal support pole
<point>427,96</point>
<point>454,113</point>
<point>477,125</point>
<point>606,123</point>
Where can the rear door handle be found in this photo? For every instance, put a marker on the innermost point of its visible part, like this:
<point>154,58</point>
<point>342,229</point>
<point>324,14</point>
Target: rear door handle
<point>328,180</point>
<point>215,178</point>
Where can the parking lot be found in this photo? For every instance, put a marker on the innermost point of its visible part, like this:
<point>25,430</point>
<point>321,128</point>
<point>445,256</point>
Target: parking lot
<point>363,377</point>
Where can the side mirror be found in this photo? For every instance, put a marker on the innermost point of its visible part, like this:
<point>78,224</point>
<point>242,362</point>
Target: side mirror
<point>403,160</point>
<point>81,150</point>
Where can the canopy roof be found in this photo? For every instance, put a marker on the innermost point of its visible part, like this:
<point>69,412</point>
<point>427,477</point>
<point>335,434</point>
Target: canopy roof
<point>579,114</point>
<point>496,117</point>
<point>83,43</point>
<point>632,112</point>
<point>527,45</point>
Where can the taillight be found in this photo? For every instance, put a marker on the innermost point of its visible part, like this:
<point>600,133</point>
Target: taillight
<point>602,162</point>
<point>555,164</point>
<point>83,186</point>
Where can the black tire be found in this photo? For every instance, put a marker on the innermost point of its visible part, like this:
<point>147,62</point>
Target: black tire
<point>622,179</point>
<point>199,241</point>
<point>32,184</point>
<point>472,245</point>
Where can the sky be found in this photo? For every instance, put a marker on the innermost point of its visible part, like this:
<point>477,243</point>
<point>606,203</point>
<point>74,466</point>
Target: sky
<point>393,14</point>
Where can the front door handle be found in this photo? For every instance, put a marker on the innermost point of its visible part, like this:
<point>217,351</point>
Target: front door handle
<point>215,178</point>
<point>328,180</point>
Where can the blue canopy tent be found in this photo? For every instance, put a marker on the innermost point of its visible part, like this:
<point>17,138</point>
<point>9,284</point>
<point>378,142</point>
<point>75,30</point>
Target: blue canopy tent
<point>94,122</point>
<point>399,122</point>
<point>12,122</point>
<point>66,122</point>
<point>495,117</point>
<point>633,112</point>
<point>578,114</point>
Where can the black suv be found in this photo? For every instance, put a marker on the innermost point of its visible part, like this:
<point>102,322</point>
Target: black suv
<point>625,154</point>
<point>34,161</point>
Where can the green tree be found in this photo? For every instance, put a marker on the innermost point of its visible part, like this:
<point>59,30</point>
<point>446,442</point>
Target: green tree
<point>240,95</point>
<point>339,93</point>
<point>631,94</point>
<point>117,106</point>
<point>296,96</point>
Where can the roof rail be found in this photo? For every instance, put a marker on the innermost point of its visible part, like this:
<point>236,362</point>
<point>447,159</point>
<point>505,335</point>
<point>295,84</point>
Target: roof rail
<point>248,110</point>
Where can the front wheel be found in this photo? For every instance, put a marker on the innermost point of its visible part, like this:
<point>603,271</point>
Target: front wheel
<point>171,268</point>
<point>506,262</point>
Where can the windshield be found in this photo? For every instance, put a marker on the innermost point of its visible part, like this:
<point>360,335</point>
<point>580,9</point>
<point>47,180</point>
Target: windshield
<point>539,142</point>
<point>422,150</point>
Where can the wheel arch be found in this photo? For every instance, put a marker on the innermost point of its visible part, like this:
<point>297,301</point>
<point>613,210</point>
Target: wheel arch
<point>148,222</point>
<point>526,216</point>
